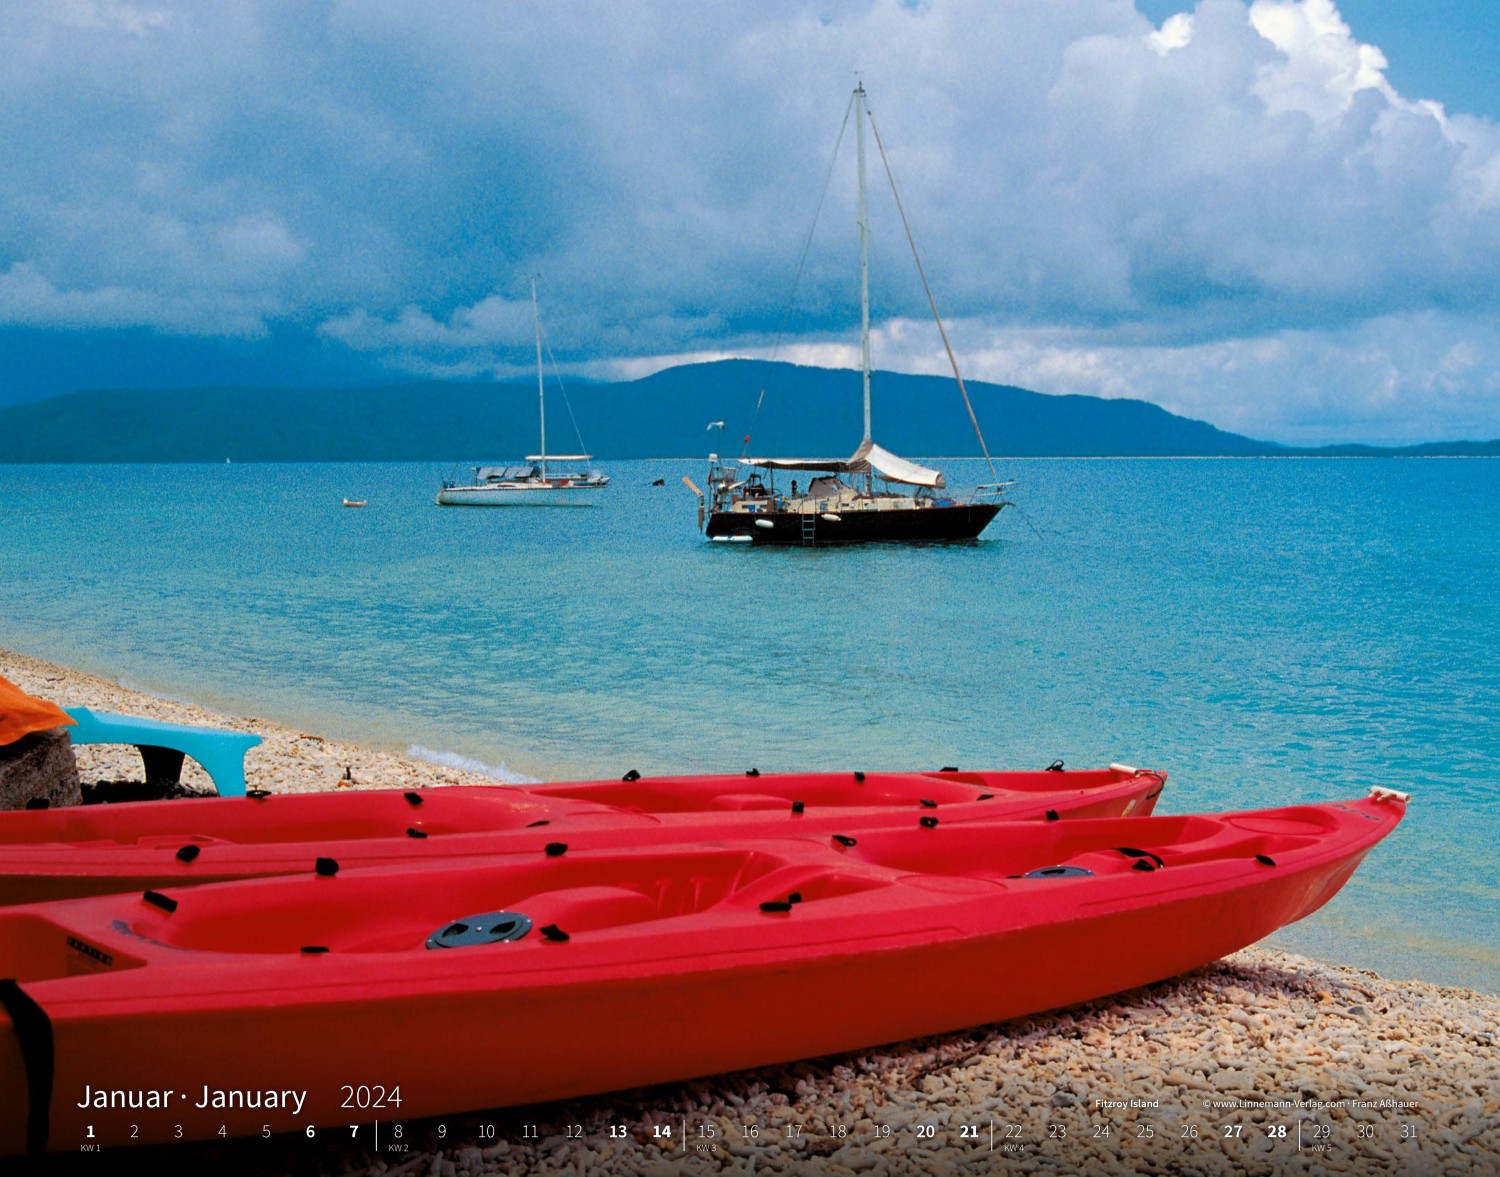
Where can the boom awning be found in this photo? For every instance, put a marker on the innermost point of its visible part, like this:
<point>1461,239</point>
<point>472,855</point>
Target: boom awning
<point>868,457</point>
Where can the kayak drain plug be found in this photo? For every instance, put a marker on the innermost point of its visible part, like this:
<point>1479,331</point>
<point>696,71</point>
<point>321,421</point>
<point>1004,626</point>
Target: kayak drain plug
<point>556,849</point>
<point>927,823</point>
<point>326,867</point>
<point>798,806</point>
<point>632,775</point>
<point>188,853</point>
<point>413,832</point>
<point>414,798</point>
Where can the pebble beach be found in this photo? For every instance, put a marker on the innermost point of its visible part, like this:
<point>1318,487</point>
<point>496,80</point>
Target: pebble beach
<point>1262,1063</point>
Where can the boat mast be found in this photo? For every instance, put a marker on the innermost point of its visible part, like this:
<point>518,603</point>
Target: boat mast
<point>864,254</point>
<point>541,399</point>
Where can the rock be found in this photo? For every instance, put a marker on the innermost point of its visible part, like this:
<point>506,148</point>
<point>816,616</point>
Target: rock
<point>39,766</point>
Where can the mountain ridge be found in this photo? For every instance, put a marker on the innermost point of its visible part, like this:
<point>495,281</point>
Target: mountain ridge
<point>804,411</point>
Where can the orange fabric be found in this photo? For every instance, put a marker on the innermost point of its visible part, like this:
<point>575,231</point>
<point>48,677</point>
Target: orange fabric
<point>21,714</point>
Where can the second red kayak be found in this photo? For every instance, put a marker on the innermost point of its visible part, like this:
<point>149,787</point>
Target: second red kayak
<point>91,850</point>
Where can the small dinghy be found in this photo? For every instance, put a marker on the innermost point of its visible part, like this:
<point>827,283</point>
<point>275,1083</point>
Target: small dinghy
<point>241,1008</point>
<point>91,850</point>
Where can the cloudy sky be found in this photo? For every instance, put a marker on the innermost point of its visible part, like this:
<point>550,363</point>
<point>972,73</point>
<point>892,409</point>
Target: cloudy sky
<point>1281,216</point>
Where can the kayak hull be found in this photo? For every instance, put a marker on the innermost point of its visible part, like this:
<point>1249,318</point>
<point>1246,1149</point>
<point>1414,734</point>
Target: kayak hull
<point>677,962</point>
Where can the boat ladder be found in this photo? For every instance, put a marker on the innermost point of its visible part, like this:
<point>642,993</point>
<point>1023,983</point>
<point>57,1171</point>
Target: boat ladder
<point>809,527</point>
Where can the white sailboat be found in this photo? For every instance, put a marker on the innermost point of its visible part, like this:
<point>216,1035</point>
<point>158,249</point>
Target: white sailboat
<point>544,480</point>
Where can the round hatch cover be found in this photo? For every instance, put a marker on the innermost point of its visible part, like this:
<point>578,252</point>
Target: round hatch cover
<point>489,927</point>
<point>1058,872</point>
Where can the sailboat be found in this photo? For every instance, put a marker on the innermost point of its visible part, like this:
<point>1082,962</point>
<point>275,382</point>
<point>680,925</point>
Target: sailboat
<point>545,480</point>
<point>841,503</point>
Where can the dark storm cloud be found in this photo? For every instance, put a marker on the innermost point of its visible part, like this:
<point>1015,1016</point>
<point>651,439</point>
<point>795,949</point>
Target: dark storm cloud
<point>1234,215</point>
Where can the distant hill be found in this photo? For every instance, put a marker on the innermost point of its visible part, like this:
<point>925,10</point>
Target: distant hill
<point>805,412</point>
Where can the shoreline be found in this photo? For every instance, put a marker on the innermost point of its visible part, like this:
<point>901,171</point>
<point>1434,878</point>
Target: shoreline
<point>1261,1038</point>
<point>287,760</point>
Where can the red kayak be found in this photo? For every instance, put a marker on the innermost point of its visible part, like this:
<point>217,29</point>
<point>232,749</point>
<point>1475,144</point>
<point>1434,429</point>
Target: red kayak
<point>317,1000</point>
<point>95,849</point>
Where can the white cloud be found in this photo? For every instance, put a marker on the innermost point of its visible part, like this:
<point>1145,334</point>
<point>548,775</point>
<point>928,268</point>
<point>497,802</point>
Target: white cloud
<point>1394,380</point>
<point>494,321</point>
<point>1175,32</point>
<point>135,19</point>
<point>28,299</point>
<point>1322,66</point>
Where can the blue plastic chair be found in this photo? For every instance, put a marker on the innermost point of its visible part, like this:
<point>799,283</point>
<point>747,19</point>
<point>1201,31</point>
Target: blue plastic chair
<point>163,745</point>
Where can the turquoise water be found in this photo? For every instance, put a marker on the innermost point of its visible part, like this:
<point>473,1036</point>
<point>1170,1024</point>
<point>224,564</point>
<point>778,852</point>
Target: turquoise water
<point>1268,631</point>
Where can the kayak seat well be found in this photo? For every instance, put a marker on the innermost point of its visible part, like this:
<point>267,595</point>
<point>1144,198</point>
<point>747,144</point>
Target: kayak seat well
<point>1094,845</point>
<point>1039,783</point>
<point>810,884</point>
<point>741,801</point>
<point>699,795</point>
<point>377,911</point>
<point>33,948</point>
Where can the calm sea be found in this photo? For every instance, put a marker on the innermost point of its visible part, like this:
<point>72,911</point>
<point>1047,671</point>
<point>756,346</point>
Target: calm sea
<point>1268,631</point>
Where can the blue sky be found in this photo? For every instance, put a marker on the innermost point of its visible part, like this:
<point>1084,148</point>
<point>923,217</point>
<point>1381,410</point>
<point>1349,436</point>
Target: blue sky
<point>1282,217</point>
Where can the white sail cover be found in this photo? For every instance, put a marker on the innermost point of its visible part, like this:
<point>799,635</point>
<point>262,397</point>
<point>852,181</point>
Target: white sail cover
<point>869,456</point>
<point>889,466</point>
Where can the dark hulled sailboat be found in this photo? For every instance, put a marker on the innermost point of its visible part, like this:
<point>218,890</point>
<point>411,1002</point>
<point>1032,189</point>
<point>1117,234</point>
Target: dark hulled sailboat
<point>841,502</point>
